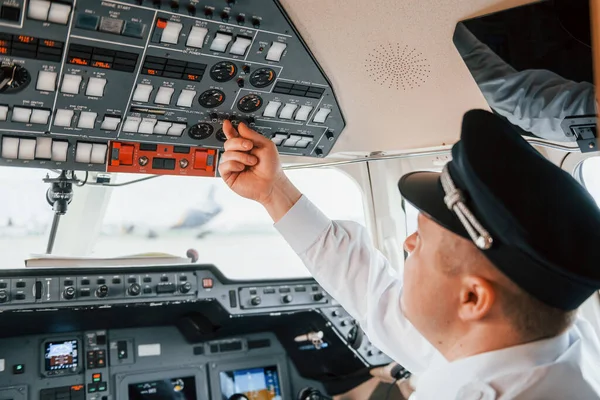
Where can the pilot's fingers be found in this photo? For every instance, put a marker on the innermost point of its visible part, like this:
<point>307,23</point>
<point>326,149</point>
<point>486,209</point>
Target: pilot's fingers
<point>229,130</point>
<point>229,167</point>
<point>238,144</point>
<point>251,134</point>
<point>244,158</point>
<point>384,373</point>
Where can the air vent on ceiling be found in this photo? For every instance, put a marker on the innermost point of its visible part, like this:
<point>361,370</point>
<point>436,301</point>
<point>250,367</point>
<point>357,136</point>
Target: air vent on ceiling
<point>397,66</point>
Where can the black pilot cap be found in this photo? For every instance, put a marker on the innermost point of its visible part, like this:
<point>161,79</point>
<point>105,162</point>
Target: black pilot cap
<point>544,225</point>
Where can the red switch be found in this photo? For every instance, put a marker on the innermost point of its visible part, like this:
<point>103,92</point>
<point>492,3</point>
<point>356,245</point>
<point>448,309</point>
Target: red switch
<point>204,159</point>
<point>122,154</point>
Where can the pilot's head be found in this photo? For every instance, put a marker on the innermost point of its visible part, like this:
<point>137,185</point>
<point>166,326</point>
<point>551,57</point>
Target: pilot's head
<point>504,242</point>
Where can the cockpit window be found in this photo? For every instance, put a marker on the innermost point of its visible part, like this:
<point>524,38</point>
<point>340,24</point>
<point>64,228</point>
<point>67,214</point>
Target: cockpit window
<point>590,174</point>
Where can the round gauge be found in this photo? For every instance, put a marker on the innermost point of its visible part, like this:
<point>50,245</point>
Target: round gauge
<point>262,77</point>
<point>201,131</point>
<point>221,135</point>
<point>13,79</point>
<point>211,98</point>
<point>250,103</point>
<point>223,71</point>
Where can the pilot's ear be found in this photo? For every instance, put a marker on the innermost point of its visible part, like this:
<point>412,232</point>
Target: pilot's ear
<point>477,297</point>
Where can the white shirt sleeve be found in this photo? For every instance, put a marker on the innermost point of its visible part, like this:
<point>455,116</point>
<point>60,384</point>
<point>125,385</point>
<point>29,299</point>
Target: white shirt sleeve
<point>343,260</point>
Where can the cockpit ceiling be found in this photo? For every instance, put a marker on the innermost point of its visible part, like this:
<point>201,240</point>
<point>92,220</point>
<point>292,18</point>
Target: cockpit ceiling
<point>399,79</point>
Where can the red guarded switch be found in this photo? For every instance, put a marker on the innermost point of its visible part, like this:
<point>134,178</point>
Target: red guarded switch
<point>204,159</point>
<point>122,154</point>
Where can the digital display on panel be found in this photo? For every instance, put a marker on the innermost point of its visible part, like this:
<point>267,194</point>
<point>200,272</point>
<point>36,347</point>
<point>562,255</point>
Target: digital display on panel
<point>164,389</point>
<point>254,383</point>
<point>61,355</point>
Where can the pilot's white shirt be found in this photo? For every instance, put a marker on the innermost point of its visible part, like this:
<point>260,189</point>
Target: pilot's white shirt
<point>342,259</point>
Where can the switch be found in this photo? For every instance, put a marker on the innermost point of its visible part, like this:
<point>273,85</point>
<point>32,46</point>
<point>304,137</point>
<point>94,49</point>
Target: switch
<point>98,155</point>
<point>162,127</point>
<point>110,123</point>
<point>322,115</point>
<point>111,25</point>
<point>10,147</point>
<point>220,42</point>
<point>186,98</point>
<point>278,138</point>
<point>207,283</point>
<point>87,120</point>
<point>276,51</point>
<point>63,117</point>
<point>147,126</point>
<point>27,149</point>
<point>122,350</point>
<point>122,154</point>
<point>164,95</point>
<point>46,81</point>
<point>3,113</point>
<point>271,109</point>
<point>40,116</point>
<point>10,13</point>
<point>176,129</point>
<point>303,112</point>
<point>43,149</point>
<point>87,21</point>
<point>96,377</point>
<point>196,37</point>
<point>304,142</point>
<point>133,29</point>
<point>142,93</point>
<point>292,140</point>
<point>240,45</point>
<point>59,150</point>
<point>19,369</point>
<point>170,33</point>
<point>288,111</point>
<point>83,153</point>
<point>70,84</point>
<point>95,87</point>
<point>132,124</point>
<point>20,114</point>
<point>59,13</point>
<point>38,9</point>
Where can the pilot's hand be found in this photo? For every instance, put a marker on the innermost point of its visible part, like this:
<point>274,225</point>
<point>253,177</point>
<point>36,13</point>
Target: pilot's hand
<point>384,374</point>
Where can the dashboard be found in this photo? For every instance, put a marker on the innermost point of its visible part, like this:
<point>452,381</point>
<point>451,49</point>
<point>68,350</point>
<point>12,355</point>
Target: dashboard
<point>172,332</point>
<point>143,86</point>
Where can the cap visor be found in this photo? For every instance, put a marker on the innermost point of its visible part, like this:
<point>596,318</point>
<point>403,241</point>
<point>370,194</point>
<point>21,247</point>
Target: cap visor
<point>424,191</point>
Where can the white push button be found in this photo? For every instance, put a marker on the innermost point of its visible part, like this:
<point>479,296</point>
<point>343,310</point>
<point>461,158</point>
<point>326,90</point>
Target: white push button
<point>322,115</point>
<point>271,109</point>
<point>142,93</point>
<point>59,150</point>
<point>59,13</point>
<point>170,33</point>
<point>95,87</point>
<point>20,114</point>
<point>164,95</point>
<point>43,148</point>
<point>3,113</point>
<point>40,117</point>
<point>70,84</point>
<point>276,51</point>
<point>278,138</point>
<point>131,124</point>
<point>38,9</point>
<point>83,153</point>
<point>288,111</point>
<point>27,149</point>
<point>196,37</point>
<point>10,147</point>
<point>98,153</point>
<point>87,120</point>
<point>162,127</point>
<point>110,123</point>
<point>147,126</point>
<point>292,140</point>
<point>304,142</point>
<point>176,130</point>
<point>46,81</point>
<point>302,114</point>
<point>220,42</point>
<point>240,45</point>
<point>186,98</point>
<point>63,117</point>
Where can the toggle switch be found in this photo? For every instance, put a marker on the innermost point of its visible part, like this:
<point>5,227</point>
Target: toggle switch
<point>164,95</point>
<point>322,115</point>
<point>3,113</point>
<point>10,147</point>
<point>27,149</point>
<point>278,138</point>
<point>147,126</point>
<point>220,42</point>
<point>276,51</point>
<point>240,45</point>
<point>59,150</point>
<point>46,81</point>
<point>87,120</point>
<point>59,13</point>
<point>170,33</point>
<point>303,112</point>
<point>186,98</point>
<point>132,124</point>
<point>176,129</point>
<point>122,154</point>
<point>304,142</point>
<point>21,114</point>
<point>271,109</point>
<point>288,111</point>
<point>142,93</point>
<point>71,84</point>
<point>162,127</point>
<point>110,123</point>
<point>63,117</point>
<point>43,148</point>
<point>40,116</point>
<point>83,153</point>
<point>38,9</point>
<point>196,37</point>
<point>292,140</point>
<point>98,155</point>
<point>95,87</point>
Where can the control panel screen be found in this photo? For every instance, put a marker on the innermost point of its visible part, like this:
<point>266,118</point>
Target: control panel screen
<point>61,355</point>
<point>165,389</point>
<point>254,383</point>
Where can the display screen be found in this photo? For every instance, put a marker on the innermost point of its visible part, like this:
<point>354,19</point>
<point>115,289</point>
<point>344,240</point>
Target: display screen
<point>61,355</point>
<point>164,389</point>
<point>254,383</point>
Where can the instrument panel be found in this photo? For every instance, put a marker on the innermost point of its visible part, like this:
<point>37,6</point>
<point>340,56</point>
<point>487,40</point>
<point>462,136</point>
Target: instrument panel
<point>81,79</point>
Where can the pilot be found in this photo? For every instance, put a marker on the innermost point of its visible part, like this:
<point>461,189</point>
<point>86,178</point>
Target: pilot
<point>504,254</point>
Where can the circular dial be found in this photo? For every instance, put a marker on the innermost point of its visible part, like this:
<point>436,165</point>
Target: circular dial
<point>201,131</point>
<point>211,98</point>
<point>250,103</point>
<point>223,71</point>
<point>221,136</point>
<point>262,77</point>
<point>13,78</point>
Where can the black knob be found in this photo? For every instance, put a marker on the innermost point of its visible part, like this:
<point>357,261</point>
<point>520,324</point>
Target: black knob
<point>336,313</point>
<point>329,136</point>
<point>318,296</point>
<point>240,82</point>
<point>250,120</point>
<point>102,291</point>
<point>214,117</point>
<point>344,323</point>
<point>225,16</point>
<point>287,299</point>
<point>256,22</point>
<point>208,12</point>
<point>3,296</point>
<point>134,289</point>
<point>69,293</point>
<point>319,152</point>
<point>246,69</point>
<point>191,9</point>
<point>241,19</point>
<point>175,5</point>
<point>185,287</point>
<point>255,301</point>
<point>370,353</point>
